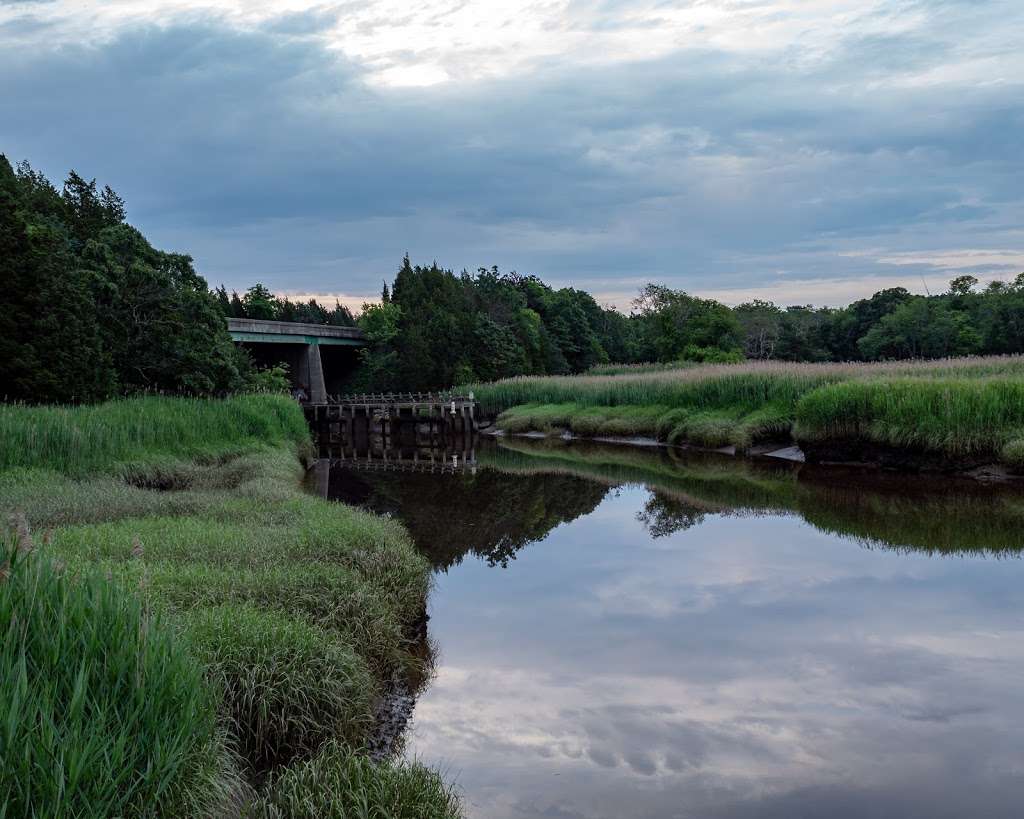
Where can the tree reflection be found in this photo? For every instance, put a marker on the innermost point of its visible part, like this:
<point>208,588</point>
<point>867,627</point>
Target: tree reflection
<point>490,514</point>
<point>664,515</point>
<point>924,513</point>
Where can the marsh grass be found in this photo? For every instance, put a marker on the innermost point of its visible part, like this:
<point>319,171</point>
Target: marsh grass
<point>709,428</point>
<point>339,784</point>
<point>748,385</point>
<point>105,713</point>
<point>293,608</point>
<point>118,434</point>
<point>287,686</point>
<point>953,406</point>
<point>645,367</point>
<point>957,417</point>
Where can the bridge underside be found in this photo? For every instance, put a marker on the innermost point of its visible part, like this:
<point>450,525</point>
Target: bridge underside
<point>319,358</point>
<point>319,369</point>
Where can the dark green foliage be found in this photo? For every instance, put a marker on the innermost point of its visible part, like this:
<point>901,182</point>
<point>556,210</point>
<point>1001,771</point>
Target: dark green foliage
<point>160,324</point>
<point>921,328</point>
<point>260,303</point>
<point>437,329</point>
<point>89,309</point>
<point>672,321</point>
<point>51,347</point>
<point>104,713</point>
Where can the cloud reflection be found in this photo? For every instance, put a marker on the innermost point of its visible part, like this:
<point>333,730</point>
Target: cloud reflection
<point>815,677</point>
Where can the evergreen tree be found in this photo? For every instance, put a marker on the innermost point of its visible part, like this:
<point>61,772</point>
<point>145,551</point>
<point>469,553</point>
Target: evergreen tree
<point>50,344</point>
<point>260,303</point>
<point>223,302</point>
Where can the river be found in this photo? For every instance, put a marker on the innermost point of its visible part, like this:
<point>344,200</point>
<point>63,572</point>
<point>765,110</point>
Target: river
<point>626,633</point>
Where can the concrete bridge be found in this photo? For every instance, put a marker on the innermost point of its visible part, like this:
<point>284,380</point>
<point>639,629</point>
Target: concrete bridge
<point>319,356</point>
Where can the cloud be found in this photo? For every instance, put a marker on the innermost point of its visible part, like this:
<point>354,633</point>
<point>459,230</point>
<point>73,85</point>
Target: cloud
<point>267,140</point>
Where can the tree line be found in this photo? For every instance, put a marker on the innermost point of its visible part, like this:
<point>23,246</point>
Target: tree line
<point>259,303</point>
<point>434,328</point>
<point>90,309</point>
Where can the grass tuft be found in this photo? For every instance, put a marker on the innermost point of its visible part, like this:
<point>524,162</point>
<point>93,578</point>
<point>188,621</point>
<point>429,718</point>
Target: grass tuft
<point>288,687</point>
<point>339,784</point>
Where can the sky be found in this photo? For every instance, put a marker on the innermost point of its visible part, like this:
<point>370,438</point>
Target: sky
<point>802,151</point>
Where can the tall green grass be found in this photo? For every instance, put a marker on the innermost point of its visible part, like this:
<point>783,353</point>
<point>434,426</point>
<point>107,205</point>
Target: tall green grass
<point>953,417</point>
<point>288,687</point>
<point>954,407</point>
<point>86,440</point>
<point>104,712</point>
<point>747,385</point>
<point>645,367</point>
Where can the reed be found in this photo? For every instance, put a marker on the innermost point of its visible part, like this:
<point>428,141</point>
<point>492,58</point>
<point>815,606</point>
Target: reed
<point>105,712</point>
<point>957,417</point>
<point>955,407</point>
<point>89,439</point>
<point>748,385</point>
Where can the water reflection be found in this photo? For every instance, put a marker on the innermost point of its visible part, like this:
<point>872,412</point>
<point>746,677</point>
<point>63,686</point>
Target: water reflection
<point>483,512</point>
<point>694,636</point>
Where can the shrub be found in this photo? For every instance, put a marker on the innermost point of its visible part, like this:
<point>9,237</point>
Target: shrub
<point>105,713</point>
<point>1013,453</point>
<point>711,355</point>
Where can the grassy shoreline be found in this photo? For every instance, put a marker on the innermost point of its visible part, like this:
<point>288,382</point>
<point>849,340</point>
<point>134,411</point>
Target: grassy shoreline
<point>288,612</point>
<point>955,412</point>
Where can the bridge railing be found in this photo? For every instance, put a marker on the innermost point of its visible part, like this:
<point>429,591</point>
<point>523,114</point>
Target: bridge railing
<point>400,398</point>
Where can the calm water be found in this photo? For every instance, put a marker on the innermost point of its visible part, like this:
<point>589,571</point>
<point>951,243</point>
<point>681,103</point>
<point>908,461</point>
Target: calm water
<point>626,633</point>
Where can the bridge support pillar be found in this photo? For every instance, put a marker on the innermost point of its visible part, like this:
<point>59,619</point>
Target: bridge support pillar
<point>315,368</point>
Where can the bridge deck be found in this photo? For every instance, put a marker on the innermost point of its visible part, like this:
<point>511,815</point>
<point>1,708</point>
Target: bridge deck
<point>293,332</point>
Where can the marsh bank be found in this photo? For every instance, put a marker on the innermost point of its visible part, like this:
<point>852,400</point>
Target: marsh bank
<point>951,415</point>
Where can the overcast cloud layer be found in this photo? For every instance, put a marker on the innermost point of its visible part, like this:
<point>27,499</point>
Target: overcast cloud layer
<point>800,150</point>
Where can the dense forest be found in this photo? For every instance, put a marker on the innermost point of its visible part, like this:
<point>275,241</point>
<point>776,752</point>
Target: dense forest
<point>89,310</point>
<point>434,328</point>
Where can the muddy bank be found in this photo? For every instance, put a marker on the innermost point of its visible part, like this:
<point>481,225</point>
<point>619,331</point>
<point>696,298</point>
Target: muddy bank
<point>847,453</point>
